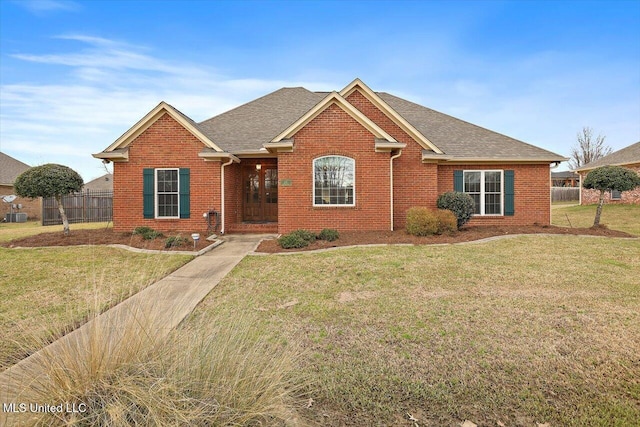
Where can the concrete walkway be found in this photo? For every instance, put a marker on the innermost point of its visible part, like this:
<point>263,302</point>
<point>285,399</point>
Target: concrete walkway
<point>160,308</point>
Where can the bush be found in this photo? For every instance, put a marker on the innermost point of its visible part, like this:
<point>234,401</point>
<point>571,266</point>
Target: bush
<point>329,235</point>
<point>147,233</point>
<point>421,222</point>
<point>290,241</point>
<point>461,204</point>
<point>305,235</point>
<point>175,241</point>
<point>447,221</point>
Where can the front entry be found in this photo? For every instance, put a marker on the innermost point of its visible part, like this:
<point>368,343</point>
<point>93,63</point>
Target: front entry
<point>260,191</point>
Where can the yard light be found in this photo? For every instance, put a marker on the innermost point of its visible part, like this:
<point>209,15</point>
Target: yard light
<point>195,237</point>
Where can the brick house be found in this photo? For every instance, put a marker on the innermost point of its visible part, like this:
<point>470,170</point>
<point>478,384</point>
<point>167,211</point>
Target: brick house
<point>10,168</point>
<point>628,157</point>
<point>349,160</point>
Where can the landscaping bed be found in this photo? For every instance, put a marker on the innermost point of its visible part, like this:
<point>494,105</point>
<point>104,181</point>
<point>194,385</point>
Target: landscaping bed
<point>466,234</point>
<point>104,236</point>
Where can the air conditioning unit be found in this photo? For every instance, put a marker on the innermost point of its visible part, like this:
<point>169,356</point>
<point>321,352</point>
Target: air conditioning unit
<point>16,217</point>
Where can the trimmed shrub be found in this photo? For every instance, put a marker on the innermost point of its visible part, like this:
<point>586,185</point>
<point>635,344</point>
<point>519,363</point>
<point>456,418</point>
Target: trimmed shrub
<point>305,235</point>
<point>421,221</point>
<point>461,204</point>
<point>447,221</point>
<point>147,233</point>
<point>292,240</point>
<point>175,241</point>
<point>329,234</point>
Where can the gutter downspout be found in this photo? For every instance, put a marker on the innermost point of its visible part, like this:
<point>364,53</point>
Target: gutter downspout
<point>222,218</point>
<point>391,182</point>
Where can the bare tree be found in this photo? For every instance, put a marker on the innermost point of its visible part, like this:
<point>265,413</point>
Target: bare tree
<point>588,148</point>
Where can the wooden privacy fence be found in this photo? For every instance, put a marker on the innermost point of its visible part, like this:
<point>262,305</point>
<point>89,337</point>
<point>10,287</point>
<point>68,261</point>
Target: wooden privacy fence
<point>565,194</point>
<point>86,206</point>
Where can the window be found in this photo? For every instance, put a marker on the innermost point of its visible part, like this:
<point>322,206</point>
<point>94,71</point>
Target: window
<point>334,181</point>
<point>616,195</point>
<point>167,194</point>
<point>485,187</point>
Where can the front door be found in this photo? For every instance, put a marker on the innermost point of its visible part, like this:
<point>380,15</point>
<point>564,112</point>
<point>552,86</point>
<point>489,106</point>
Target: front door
<point>260,191</point>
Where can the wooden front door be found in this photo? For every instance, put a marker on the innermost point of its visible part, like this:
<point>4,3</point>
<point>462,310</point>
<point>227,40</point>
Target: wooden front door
<point>260,192</point>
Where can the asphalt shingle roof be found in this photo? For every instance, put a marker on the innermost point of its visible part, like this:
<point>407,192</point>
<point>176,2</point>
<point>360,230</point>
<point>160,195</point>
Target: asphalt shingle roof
<point>248,126</point>
<point>10,168</point>
<point>625,156</point>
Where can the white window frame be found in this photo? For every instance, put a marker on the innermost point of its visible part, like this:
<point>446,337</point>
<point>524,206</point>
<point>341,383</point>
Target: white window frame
<point>482,190</point>
<point>313,182</point>
<point>156,194</point>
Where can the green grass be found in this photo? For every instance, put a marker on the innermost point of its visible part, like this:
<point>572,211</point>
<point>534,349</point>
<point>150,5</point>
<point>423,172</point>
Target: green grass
<point>617,217</point>
<point>16,230</point>
<point>44,291</point>
<point>536,329</point>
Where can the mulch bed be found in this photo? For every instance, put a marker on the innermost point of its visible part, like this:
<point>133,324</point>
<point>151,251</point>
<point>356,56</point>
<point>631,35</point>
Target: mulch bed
<point>102,236</point>
<point>466,234</point>
<point>107,236</point>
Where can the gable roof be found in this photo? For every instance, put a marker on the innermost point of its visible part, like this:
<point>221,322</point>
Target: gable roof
<point>116,150</point>
<point>10,168</point>
<point>625,156</point>
<point>270,122</point>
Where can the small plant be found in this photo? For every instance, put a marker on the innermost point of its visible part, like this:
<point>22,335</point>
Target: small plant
<point>329,234</point>
<point>175,241</point>
<point>461,204</point>
<point>421,221</point>
<point>292,240</point>
<point>305,235</point>
<point>147,233</point>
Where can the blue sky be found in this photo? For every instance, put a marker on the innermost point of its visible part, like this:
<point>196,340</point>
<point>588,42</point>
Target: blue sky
<point>75,75</point>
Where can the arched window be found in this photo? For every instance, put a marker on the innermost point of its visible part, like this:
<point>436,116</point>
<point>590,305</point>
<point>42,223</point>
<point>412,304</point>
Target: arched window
<point>334,181</point>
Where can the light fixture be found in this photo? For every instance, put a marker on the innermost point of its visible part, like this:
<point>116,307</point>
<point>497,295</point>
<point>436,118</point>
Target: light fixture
<point>258,166</point>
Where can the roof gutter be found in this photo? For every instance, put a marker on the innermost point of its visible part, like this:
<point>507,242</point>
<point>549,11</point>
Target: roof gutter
<point>395,156</point>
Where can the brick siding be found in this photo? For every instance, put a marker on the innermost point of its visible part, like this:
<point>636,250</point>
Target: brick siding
<point>165,144</point>
<point>32,207</point>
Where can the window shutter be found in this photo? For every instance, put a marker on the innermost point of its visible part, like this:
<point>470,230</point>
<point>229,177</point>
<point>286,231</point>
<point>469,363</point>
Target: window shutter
<point>147,193</point>
<point>458,184</point>
<point>185,207</point>
<point>509,202</point>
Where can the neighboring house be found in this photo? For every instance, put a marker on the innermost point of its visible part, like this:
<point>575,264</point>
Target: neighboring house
<point>628,157</point>
<point>10,168</point>
<point>565,179</point>
<point>349,160</point>
<point>103,183</point>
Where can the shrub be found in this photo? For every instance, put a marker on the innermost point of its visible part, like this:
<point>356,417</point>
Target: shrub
<point>291,240</point>
<point>447,221</point>
<point>421,222</point>
<point>175,241</point>
<point>147,233</point>
<point>461,204</point>
<point>305,235</point>
<point>328,234</point>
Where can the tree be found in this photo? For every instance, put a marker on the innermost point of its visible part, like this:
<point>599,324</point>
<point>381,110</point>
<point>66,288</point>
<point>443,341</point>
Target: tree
<point>587,148</point>
<point>50,180</point>
<point>607,178</point>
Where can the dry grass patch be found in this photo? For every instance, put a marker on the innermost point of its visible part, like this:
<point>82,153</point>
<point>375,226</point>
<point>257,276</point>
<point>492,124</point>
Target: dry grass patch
<point>15,230</point>
<point>44,291</point>
<point>518,331</point>
<point>122,372</point>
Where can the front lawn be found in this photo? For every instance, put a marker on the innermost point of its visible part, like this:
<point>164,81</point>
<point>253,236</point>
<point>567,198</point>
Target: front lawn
<point>44,291</point>
<point>534,329</point>
<point>616,217</point>
<point>15,230</point>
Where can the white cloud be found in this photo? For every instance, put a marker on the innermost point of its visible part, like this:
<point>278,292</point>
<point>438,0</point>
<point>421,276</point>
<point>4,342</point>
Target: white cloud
<point>40,7</point>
